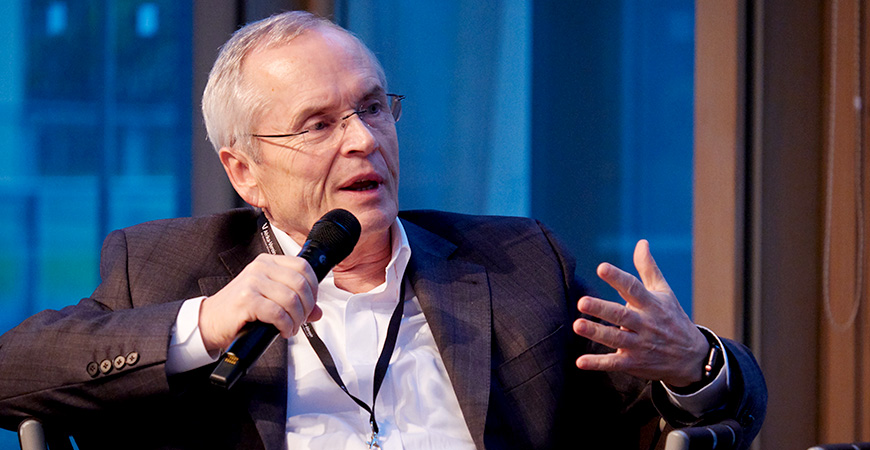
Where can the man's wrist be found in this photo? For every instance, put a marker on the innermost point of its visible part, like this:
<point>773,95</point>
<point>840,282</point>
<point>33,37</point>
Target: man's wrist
<point>186,349</point>
<point>714,361</point>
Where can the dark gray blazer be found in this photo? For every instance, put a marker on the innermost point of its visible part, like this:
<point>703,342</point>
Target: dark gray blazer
<point>499,295</point>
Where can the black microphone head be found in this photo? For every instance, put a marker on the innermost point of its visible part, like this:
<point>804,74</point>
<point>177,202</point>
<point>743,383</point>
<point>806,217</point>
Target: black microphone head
<point>336,234</point>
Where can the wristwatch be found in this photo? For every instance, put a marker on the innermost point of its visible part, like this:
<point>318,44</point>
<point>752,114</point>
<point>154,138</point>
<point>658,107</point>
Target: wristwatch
<point>715,360</point>
<point>713,363</point>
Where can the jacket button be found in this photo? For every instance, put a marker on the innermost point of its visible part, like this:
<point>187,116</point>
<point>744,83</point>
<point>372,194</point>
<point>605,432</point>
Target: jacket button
<point>105,366</point>
<point>119,362</point>
<point>132,358</point>
<point>93,369</point>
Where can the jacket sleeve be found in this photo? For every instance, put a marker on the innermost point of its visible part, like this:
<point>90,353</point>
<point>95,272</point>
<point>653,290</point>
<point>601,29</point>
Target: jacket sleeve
<point>746,403</point>
<point>62,365</point>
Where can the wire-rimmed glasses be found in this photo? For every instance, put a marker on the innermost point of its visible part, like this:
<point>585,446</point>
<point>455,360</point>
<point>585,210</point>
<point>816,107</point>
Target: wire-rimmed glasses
<point>372,112</point>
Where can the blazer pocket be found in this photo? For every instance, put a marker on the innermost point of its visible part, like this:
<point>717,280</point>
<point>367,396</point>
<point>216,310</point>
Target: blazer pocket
<point>542,355</point>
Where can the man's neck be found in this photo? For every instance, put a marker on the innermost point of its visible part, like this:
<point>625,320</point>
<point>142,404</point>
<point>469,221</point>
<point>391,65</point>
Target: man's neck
<point>365,268</point>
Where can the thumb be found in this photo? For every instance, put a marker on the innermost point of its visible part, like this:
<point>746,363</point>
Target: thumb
<point>647,268</point>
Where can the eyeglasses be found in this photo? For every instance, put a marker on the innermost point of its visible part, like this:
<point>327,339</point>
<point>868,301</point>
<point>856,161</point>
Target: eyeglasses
<point>371,112</point>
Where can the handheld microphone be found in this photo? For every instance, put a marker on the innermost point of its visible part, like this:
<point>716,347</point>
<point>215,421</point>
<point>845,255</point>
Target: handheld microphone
<point>330,240</point>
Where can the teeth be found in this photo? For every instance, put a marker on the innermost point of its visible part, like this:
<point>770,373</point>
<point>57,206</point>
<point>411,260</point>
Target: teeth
<point>362,185</point>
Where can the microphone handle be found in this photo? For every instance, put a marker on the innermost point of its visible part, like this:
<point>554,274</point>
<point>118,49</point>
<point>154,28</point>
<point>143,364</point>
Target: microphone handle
<point>253,339</point>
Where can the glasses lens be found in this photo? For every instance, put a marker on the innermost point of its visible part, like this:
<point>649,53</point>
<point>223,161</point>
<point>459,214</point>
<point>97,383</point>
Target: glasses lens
<point>396,106</point>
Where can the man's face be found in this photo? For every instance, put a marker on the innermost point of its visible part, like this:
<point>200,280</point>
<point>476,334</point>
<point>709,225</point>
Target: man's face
<point>321,77</point>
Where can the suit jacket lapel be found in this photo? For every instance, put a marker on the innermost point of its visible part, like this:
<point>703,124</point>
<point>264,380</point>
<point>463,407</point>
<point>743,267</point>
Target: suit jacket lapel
<point>455,298</point>
<point>264,387</point>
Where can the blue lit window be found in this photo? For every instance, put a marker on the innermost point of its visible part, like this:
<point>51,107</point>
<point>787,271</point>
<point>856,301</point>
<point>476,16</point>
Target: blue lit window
<point>95,121</point>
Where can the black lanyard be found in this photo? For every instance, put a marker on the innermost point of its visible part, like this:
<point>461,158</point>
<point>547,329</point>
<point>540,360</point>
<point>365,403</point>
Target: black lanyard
<point>323,353</point>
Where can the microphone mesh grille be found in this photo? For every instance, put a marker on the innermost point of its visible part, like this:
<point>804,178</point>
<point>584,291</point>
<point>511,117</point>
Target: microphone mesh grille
<point>338,231</point>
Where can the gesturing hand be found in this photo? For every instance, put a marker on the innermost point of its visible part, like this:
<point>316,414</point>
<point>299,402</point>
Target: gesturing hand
<point>653,337</point>
<point>276,289</point>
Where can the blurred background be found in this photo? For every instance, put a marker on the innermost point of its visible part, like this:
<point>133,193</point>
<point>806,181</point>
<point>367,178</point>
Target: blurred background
<point>725,132</point>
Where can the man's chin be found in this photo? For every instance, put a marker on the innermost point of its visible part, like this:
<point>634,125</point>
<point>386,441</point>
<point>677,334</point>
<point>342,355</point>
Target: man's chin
<point>374,220</point>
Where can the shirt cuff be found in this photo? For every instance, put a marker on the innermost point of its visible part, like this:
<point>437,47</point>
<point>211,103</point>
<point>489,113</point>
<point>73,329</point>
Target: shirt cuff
<point>710,397</point>
<point>186,349</point>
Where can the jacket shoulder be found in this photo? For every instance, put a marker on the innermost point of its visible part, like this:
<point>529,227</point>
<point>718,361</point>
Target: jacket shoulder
<point>495,241</point>
<point>458,227</point>
<point>501,243</point>
<point>229,228</point>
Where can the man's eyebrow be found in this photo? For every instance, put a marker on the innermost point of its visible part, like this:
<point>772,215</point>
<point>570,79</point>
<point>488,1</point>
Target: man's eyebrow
<point>298,119</point>
<point>374,91</point>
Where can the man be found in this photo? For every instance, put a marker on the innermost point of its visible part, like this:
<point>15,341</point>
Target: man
<point>484,355</point>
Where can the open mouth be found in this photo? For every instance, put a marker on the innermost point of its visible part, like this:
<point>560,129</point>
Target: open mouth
<point>361,185</point>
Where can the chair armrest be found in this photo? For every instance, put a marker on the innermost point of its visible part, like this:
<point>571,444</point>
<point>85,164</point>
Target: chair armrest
<point>725,435</point>
<point>31,435</point>
<point>854,446</point>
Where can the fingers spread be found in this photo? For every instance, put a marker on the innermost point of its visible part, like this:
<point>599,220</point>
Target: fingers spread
<point>654,338</point>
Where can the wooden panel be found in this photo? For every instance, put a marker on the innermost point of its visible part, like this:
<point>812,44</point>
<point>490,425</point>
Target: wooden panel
<point>845,358</point>
<point>863,341</point>
<point>717,252</point>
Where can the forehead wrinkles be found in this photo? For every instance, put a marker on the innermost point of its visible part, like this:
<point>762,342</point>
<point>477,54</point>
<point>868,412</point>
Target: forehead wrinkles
<point>293,95</point>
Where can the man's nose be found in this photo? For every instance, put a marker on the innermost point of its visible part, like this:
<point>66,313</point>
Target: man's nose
<point>357,135</point>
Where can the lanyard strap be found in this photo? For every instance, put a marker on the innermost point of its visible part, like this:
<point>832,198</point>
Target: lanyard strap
<point>323,352</point>
<point>380,368</point>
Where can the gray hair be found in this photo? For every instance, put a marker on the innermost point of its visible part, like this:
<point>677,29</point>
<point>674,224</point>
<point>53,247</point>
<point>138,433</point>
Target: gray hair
<point>231,106</point>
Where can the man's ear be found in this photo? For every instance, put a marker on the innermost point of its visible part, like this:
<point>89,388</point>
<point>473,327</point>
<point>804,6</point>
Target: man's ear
<point>240,170</point>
